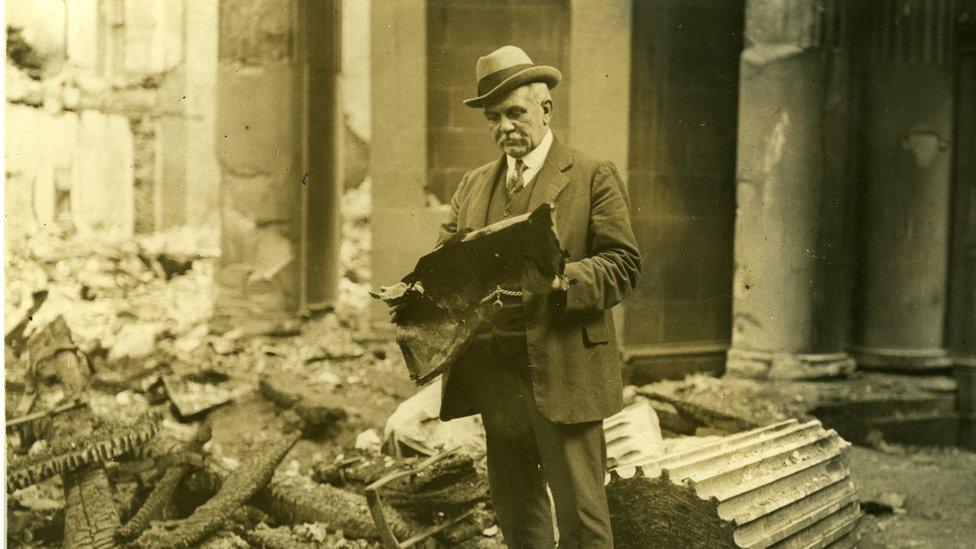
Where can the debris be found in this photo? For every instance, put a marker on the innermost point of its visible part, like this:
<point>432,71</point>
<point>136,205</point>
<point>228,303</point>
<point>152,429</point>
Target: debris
<point>192,398</point>
<point>107,440</point>
<point>296,499</point>
<point>134,341</point>
<point>632,435</point>
<point>785,483</point>
<point>444,489</point>
<point>885,504</point>
<point>90,517</point>
<point>703,415</point>
<point>251,477</point>
<point>30,425</point>
<point>368,441</point>
<point>312,403</point>
<point>14,334</point>
<point>53,353</point>
<point>415,426</point>
<point>162,494</point>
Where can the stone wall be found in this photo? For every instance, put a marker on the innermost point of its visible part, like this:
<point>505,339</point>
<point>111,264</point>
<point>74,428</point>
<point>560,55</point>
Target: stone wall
<point>458,32</point>
<point>109,119</point>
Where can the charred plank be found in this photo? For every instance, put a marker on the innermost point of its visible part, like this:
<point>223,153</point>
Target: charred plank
<point>239,486</point>
<point>298,499</point>
<point>90,517</point>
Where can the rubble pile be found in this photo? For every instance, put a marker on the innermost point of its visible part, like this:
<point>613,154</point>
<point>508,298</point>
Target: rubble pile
<point>233,424</point>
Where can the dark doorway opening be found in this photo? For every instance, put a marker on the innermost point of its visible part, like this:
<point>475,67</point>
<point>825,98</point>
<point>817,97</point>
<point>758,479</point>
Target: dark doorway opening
<point>684,111</point>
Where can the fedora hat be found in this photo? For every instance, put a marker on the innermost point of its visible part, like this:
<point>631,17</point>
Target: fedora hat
<point>505,69</point>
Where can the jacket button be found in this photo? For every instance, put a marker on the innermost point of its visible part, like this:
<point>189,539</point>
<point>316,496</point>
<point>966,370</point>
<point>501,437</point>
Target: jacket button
<point>506,213</point>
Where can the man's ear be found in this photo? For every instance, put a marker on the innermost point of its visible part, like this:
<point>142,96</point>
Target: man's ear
<point>547,110</point>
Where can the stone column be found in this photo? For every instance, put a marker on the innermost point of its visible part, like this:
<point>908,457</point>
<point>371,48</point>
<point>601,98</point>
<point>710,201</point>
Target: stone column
<point>258,148</point>
<point>790,303</point>
<point>901,293</point>
<point>403,226</point>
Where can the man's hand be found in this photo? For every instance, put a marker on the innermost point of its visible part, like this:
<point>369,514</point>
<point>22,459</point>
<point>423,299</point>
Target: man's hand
<point>395,312</point>
<point>560,283</point>
<point>395,297</point>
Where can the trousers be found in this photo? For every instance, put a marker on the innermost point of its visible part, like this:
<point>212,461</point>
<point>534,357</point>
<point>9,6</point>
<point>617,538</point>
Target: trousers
<point>526,452</point>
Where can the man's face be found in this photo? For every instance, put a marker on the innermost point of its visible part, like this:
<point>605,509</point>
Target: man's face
<point>517,122</point>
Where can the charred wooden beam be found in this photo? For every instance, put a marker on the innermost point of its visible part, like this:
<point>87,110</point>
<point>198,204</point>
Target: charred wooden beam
<point>90,516</point>
<point>239,486</point>
<point>298,499</point>
<point>108,440</point>
<point>161,497</point>
<point>317,411</point>
<point>442,299</point>
<point>154,506</point>
<point>444,486</point>
<point>787,484</point>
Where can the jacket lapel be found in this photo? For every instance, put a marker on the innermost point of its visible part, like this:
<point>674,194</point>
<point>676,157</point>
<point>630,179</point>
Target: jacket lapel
<point>481,195</point>
<point>551,179</point>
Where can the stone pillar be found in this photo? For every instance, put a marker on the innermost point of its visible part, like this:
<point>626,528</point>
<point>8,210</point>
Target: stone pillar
<point>403,227</point>
<point>790,304</point>
<point>901,294</point>
<point>258,148</point>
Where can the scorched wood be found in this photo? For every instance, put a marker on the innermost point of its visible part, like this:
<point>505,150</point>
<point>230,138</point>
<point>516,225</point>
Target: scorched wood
<point>444,298</point>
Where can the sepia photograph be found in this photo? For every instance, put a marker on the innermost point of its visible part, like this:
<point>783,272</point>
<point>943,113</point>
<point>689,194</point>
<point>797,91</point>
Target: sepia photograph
<point>489,273</point>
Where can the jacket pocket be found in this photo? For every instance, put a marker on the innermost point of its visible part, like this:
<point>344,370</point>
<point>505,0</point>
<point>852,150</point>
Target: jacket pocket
<point>595,330</point>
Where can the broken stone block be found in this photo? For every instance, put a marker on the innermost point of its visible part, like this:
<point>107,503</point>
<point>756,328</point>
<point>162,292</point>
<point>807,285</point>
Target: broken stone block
<point>191,397</point>
<point>787,484</point>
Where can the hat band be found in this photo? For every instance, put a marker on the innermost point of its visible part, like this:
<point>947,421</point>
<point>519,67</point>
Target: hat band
<point>491,81</point>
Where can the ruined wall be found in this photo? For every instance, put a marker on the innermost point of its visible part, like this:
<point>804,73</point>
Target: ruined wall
<point>109,117</point>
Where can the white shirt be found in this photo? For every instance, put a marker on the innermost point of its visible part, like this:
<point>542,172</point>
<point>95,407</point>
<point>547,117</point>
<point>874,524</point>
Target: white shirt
<point>533,160</point>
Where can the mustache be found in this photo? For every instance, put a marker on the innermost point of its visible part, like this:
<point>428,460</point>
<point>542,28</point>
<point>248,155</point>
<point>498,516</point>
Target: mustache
<point>512,139</point>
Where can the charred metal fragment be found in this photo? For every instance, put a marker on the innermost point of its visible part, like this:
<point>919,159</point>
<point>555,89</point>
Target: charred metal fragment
<point>442,300</point>
<point>239,486</point>
<point>106,441</point>
<point>90,516</point>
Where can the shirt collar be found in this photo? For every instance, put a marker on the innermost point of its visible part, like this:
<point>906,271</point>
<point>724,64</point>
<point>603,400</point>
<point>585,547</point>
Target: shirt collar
<point>536,157</point>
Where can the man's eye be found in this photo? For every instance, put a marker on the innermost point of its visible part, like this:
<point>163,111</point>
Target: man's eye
<point>492,117</point>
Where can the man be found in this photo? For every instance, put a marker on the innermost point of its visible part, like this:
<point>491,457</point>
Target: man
<point>545,373</point>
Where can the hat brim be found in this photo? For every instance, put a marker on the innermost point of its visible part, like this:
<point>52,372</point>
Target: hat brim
<point>542,73</point>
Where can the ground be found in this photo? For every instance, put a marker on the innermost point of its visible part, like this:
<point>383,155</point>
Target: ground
<point>940,489</point>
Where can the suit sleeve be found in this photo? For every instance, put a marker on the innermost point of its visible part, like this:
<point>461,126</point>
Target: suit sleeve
<point>612,269</point>
<point>449,227</point>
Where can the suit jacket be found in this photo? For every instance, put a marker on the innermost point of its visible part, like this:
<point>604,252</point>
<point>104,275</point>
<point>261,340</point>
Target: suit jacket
<point>573,360</point>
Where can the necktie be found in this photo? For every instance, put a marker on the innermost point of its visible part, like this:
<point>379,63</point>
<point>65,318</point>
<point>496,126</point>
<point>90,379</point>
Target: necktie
<point>516,182</point>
